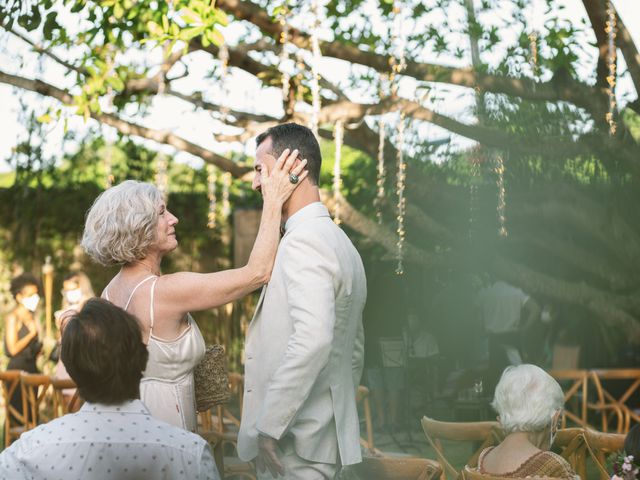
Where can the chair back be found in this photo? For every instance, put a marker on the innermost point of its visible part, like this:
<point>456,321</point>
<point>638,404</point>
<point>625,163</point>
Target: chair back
<point>486,433</point>
<point>61,404</point>
<point>577,392</point>
<point>10,383</point>
<point>577,444</point>
<point>362,398</point>
<point>396,468</point>
<point>608,402</point>
<point>472,474</point>
<point>35,387</point>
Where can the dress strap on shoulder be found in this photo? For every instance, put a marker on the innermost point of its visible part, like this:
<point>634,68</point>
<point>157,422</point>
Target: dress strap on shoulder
<point>126,306</point>
<point>151,316</point>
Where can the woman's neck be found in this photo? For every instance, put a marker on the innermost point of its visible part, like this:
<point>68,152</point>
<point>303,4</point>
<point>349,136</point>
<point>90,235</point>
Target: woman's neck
<point>520,439</point>
<point>149,264</point>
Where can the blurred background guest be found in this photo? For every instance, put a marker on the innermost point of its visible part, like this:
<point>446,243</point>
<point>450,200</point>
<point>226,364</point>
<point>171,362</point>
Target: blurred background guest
<point>22,330</point>
<point>529,403</point>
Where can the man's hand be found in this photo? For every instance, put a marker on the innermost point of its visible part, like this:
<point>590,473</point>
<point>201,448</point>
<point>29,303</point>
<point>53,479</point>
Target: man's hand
<point>267,456</point>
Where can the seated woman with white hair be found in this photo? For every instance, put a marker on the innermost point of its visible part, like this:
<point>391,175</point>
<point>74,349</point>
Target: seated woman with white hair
<point>529,403</point>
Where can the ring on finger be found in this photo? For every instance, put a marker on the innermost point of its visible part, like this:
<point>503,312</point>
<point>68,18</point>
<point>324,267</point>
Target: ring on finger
<point>293,178</point>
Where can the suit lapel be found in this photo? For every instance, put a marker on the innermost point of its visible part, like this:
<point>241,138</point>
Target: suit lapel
<point>258,307</point>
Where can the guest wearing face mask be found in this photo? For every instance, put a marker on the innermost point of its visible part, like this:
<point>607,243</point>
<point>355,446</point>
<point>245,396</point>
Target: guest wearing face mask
<point>76,290</point>
<point>21,343</point>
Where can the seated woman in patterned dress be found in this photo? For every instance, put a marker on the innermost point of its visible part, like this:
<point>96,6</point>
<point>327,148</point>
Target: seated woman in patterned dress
<point>529,403</point>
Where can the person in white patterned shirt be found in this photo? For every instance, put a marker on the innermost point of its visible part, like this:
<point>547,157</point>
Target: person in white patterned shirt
<point>113,436</point>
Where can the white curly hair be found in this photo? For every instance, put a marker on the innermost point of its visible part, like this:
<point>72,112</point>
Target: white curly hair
<point>526,399</point>
<point>121,224</point>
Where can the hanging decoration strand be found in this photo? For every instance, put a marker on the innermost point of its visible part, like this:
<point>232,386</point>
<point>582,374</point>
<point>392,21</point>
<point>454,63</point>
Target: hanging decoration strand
<point>611,31</point>
<point>284,57</point>
<point>315,67</point>
<point>400,184</point>
<point>502,205</point>
<point>162,179</point>
<point>223,56</point>
<point>381,171</point>
<point>212,178</point>
<point>397,60</point>
<point>226,204</point>
<point>476,160</point>
<point>338,134</point>
<point>108,172</point>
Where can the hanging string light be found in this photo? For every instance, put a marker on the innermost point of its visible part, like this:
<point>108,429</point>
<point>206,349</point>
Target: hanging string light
<point>502,204</point>
<point>300,68</point>
<point>611,31</point>
<point>400,184</point>
<point>397,61</point>
<point>162,178</point>
<point>381,171</point>
<point>223,56</point>
<point>284,56</point>
<point>108,172</point>
<point>533,40</point>
<point>476,160</point>
<point>338,135</point>
<point>226,204</point>
<point>212,178</point>
<point>315,67</point>
<point>533,52</point>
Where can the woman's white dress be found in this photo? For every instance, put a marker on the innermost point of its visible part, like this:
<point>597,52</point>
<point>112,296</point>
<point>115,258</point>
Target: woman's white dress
<point>167,386</point>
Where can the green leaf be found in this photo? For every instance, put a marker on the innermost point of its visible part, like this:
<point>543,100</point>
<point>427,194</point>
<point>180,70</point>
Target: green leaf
<point>215,37</point>
<point>165,23</point>
<point>79,5</point>
<point>116,82</point>
<point>46,118</point>
<point>50,25</point>
<point>118,11</point>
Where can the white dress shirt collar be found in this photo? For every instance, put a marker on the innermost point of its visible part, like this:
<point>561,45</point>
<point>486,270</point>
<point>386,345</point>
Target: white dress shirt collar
<point>132,406</point>
<point>313,210</point>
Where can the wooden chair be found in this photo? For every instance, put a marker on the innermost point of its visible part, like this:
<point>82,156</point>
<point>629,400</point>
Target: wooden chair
<point>10,383</point>
<point>578,391</point>
<point>485,433</point>
<point>62,406</point>
<point>396,468</point>
<point>579,444</point>
<point>35,388</point>
<point>362,398</point>
<point>610,405</point>
<point>221,431</point>
<point>471,474</point>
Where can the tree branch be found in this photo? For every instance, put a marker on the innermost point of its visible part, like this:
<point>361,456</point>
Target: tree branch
<point>571,91</point>
<point>129,128</point>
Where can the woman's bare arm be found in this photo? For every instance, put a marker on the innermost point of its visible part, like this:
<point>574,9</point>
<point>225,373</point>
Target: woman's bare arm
<point>188,292</point>
<point>15,345</point>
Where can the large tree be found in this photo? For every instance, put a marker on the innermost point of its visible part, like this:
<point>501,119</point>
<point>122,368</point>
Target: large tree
<point>541,106</point>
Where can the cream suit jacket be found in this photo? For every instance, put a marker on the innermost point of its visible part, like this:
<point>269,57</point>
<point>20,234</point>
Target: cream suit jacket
<point>305,345</point>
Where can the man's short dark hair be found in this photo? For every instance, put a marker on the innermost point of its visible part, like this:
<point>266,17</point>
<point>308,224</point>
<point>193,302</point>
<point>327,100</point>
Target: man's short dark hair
<point>21,281</point>
<point>292,135</point>
<point>103,352</point>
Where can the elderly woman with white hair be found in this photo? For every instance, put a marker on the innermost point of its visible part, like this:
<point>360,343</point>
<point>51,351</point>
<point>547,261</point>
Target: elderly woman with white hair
<point>130,225</point>
<point>529,403</point>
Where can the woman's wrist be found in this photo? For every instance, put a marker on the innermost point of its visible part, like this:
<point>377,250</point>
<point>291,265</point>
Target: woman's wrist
<point>274,204</point>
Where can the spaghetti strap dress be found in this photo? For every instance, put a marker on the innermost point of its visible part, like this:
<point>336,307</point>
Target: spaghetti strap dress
<point>167,387</point>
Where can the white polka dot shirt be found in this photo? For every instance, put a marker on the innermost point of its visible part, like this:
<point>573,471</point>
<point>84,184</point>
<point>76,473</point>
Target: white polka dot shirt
<point>108,442</point>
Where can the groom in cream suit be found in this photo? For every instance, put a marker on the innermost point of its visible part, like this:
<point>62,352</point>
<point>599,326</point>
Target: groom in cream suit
<point>304,348</point>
